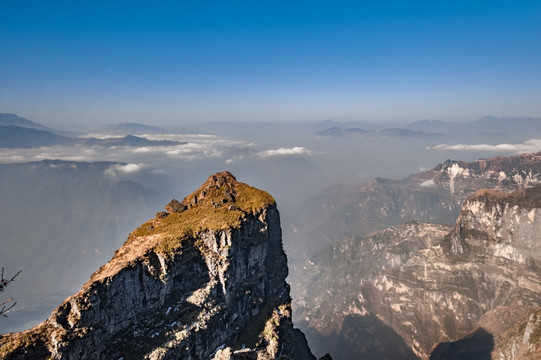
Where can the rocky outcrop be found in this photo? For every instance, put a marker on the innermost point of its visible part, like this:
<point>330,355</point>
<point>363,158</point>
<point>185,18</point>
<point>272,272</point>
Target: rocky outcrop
<point>521,340</point>
<point>504,225</point>
<point>207,282</point>
<point>437,289</point>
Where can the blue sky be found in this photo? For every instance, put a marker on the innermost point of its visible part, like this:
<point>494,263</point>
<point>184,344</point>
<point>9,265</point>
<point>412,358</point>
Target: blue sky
<point>168,62</point>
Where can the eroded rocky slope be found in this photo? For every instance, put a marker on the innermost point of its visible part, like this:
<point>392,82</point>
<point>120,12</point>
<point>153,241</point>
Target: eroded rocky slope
<point>434,196</point>
<point>204,280</point>
<point>430,285</point>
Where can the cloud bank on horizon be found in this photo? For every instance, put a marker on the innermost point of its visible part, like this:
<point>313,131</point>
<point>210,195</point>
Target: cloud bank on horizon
<point>529,146</point>
<point>192,148</point>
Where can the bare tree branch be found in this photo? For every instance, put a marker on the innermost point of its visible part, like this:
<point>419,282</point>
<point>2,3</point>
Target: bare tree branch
<point>7,304</point>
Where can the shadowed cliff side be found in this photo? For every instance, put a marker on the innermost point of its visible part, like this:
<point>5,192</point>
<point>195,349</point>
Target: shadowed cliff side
<point>203,280</point>
<point>362,337</point>
<point>476,346</point>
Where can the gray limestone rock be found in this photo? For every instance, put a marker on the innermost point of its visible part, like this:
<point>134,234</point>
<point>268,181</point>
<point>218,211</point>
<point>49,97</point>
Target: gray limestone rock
<point>174,206</point>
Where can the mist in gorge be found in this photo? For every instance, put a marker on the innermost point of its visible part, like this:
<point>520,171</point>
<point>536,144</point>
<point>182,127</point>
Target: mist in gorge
<point>64,218</point>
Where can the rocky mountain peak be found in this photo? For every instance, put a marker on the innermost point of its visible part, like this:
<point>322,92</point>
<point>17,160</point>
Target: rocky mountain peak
<point>222,189</point>
<point>204,280</point>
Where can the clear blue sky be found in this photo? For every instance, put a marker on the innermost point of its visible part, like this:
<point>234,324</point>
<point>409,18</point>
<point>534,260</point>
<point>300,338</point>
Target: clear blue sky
<point>187,61</point>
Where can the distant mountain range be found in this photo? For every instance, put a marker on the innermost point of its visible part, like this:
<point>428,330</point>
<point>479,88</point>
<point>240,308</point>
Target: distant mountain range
<point>18,132</point>
<point>14,120</point>
<point>20,137</point>
<point>484,125</point>
<point>488,127</point>
<point>131,129</point>
<point>335,131</point>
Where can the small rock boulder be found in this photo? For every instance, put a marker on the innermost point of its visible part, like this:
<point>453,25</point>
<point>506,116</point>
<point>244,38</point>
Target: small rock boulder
<point>229,196</point>
<point>175,206</point>
<point>161,214</point>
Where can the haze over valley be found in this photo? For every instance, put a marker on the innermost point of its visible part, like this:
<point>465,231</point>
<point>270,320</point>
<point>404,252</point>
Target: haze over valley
<point>80,207</point>
<point>270,180</point>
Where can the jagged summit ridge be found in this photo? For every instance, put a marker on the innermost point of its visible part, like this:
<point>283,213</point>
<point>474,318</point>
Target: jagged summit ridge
<point>204,281</point>
<point>223,190</point>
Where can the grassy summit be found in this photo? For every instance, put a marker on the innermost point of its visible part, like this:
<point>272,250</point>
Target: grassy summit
<point>221,203</point>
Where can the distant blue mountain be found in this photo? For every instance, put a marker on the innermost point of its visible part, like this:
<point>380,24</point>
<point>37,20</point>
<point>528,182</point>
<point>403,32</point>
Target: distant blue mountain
<point>22,137</point>
<point>128,140</point>
<point>131,129</point>
<point>12,119</point>
<point>487,126</point>
<point>335,131</point>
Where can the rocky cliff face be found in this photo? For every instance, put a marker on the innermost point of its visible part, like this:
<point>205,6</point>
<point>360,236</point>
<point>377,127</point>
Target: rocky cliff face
<point>521,339</point>
<point>499,224</point>
<point>429,284</point>
<point>434,196</point>
<point>204,280</point>
<point>351,292</point>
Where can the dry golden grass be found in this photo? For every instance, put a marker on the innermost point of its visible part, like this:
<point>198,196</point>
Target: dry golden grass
<point>209,211</point>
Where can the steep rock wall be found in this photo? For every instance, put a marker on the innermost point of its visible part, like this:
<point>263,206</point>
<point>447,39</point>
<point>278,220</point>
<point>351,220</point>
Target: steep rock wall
<point>442,285</point>
<point>206,280</point>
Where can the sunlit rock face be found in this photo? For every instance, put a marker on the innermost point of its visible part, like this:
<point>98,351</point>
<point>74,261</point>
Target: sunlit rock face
<point>431,283</point>
<point>205,281</point>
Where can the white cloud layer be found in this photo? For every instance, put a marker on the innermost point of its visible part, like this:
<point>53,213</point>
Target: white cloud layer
<point>297,150</point>
<point>532,145</point>
<point>129,168</point>
<point>193,147</point>
<point>115,170</point>
<point>428,183</point>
